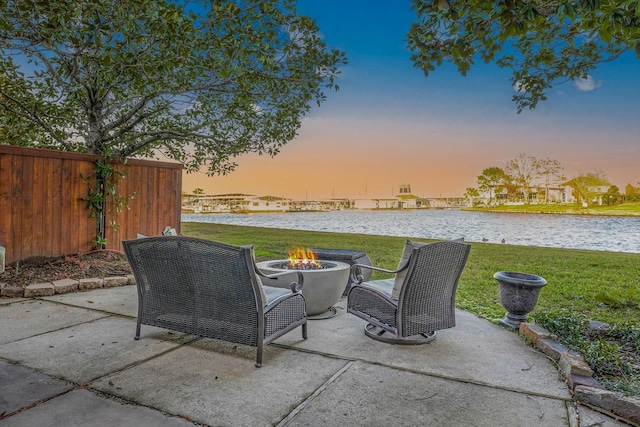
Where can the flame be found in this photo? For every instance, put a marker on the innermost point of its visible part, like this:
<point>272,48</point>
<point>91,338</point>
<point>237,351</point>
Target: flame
<point>302,256</point>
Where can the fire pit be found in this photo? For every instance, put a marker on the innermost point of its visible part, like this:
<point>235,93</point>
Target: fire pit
<point>323,280</point>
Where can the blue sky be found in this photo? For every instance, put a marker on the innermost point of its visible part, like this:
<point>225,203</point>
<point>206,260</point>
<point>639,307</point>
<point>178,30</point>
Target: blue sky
<point>390,125</point>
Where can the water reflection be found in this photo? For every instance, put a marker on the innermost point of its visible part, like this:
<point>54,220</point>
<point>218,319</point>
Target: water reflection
<point>616,234</point>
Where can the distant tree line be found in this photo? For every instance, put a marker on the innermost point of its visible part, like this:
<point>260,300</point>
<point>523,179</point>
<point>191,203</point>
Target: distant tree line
<point>528,179</point>
<point>631,193</point>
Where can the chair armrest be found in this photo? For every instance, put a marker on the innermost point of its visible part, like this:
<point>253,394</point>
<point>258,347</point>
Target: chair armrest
<point>374,292</point>
<point>355,274</point>
<point>295,286</point>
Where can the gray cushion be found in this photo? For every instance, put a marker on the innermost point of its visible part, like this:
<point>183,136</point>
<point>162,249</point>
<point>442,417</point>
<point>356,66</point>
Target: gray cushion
<point>406,254</point>
<point>385,286</point>
<point>273,293</point>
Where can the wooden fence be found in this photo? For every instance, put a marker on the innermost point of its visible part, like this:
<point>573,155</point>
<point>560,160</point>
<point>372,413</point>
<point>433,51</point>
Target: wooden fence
<point>42,212</point>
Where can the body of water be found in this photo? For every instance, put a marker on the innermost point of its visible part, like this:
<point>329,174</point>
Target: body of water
<point>603,233</point>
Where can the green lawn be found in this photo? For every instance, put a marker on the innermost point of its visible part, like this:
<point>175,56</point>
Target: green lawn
<point>578,280</point>
<point>624,209</point>
<point>575,277</point>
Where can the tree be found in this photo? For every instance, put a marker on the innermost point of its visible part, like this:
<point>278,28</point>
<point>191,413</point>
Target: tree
<point>551,171</point>
<point>522,171</point>
<point>471,193</point>
<point>612,196</point>
<point>543,42</point>
<point>631,193</point>
<point>492,181</point>
<point>197,81</point>
<point>586,187</point>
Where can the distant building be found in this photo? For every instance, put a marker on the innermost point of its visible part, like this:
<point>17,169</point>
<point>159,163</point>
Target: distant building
<point>391,203</point>
<point>238,202</point>
<point>408,200</point>
<point>268,204</point>
<point>405,188</point>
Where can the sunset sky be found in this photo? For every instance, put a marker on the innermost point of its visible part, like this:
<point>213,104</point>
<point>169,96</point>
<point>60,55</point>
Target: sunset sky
<point>390,125</point>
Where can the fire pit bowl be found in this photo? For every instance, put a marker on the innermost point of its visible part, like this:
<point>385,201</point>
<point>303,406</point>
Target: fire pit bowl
<point>322,287</point>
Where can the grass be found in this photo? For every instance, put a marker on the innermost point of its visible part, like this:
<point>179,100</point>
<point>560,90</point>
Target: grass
<point>600,286</point>
<point>613,353</point>
<point>623,209</point>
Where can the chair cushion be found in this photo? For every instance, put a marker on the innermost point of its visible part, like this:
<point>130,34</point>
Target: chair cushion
<point>385,286</point>
<point>399,278</point>
<point>273,293</point>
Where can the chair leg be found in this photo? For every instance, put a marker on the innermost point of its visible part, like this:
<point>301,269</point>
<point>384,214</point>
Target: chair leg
<point>259,356</point>
<point>304,331</point>
<point>137,337</point>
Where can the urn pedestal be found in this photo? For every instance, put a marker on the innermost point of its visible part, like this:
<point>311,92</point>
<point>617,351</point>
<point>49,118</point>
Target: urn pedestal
<point>519,294</point>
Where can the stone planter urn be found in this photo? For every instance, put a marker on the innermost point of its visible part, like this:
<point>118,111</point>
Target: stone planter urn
<point>519,294</point>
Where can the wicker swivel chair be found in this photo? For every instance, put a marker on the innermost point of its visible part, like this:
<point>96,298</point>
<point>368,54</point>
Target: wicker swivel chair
<point>212,290</point>
<point>423,300</point>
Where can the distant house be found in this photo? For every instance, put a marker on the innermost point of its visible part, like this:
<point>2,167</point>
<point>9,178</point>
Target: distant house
<point>408,200</point>
<point>268,204</point>
<point>391,203</point>
<point>235,202</point>
<point>586,189</point>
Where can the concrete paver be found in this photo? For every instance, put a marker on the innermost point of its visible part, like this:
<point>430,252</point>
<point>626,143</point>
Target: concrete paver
<point>31,317</point>
<point>78,364</point>
<point>83,408</point>
<point>121,300</point>
<point>7,301</point>
<point>367,395</point>
<point>84,352</point>
<point>212,384</point>
<point>508,362</point>
<point>21,387</point>
<point>592,418</point>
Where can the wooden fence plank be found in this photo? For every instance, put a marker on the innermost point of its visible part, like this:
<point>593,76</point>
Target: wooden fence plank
<point>43,212</point>
<point>87,224</point>
<point>67,228</point>
<point>27,206</point>
<point>54,204</point>
<point>133,210</point>
<point>177,201</point>
<point>17,206</point>
<point>6,218</point>
<point>38,192</point>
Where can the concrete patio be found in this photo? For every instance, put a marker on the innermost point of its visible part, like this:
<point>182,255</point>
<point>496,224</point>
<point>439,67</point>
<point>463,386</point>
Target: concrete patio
<point>71,360</point>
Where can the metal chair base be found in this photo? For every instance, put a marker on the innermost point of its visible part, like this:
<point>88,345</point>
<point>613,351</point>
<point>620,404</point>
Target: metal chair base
<point>331,312</point>
<point>379,334</point>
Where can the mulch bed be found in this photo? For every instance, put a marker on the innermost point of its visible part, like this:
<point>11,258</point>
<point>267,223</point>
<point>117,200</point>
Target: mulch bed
<point>101,263</point>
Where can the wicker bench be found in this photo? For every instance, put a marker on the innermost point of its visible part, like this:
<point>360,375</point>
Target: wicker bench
<point>213,290</point>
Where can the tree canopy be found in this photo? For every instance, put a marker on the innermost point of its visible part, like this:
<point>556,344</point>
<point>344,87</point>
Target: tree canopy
<point>492,181</point>
<point>198,81</point>
<point>521,171</point>
<point>543,42</point>
<point>586,185</point>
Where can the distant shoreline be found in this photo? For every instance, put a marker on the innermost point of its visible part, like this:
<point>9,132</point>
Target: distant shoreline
<point>624,210</point>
